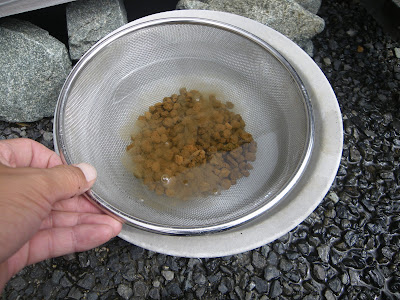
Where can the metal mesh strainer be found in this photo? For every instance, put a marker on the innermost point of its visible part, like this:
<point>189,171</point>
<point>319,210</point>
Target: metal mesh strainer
<point>136,66</point>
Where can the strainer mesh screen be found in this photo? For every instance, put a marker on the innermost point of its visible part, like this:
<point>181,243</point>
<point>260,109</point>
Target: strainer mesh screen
<point>143,66</point>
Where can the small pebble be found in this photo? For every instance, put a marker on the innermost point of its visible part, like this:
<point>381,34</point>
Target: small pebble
<point>222,288</point>
<point>140,289</point>
<point>16,130</point>
<point>12,136</point>
<point>335,284</point>
<point>276,289</point>
<point>48,136</point>
<point>271,272</point>
<point>65,282</point>
<point>397,52</point>
<point>87,282</point>
<point>327,61</point>
<point>124,291</point>
<point>156,283</point>
<point>329,295</point>
<point>323,252</point>
<point>154,294</point>
<point>260,284</point>
<point>18,283</point>
<point>347,67</point>
<point>319,272</point>
<point>56,276</point>
<point>92,296</point>
<point>285,265</point>
<point>351,32</point>
<point>168,275</point>
<point>200,279</point>
<point>259,261</point>
<point>174,290</point>
<point>75,293</point>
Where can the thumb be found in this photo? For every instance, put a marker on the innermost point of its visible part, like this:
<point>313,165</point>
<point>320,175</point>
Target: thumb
<point>64,181</point>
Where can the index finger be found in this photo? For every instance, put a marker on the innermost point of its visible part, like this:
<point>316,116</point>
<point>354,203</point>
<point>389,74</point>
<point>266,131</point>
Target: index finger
<point>27,153</point>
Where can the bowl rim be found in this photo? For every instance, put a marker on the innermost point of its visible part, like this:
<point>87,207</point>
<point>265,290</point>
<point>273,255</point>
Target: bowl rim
<point>307,194</point>
<point>61,147</point>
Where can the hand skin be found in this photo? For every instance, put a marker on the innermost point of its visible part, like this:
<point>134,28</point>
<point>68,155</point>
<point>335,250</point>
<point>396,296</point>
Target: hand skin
<point>43,213</point>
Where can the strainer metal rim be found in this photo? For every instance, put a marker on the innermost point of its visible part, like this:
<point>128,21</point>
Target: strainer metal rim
<point>61,147</point>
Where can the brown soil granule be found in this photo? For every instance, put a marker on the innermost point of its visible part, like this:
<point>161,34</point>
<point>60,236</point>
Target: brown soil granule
<point>191,145</point>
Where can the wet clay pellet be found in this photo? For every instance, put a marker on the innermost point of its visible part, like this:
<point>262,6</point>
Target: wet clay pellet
<point>191,145</point>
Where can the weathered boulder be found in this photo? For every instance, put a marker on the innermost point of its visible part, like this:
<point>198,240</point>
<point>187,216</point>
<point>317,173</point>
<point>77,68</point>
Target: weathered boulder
<point>286,16</point>
<point>33,68</point>
<point>88,21</point>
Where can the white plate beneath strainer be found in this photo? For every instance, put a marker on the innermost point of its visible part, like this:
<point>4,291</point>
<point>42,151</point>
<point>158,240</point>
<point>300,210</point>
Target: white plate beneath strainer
<point>308,192</point>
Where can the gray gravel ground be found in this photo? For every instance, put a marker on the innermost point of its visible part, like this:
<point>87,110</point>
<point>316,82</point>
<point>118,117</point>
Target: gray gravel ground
<point>347,249</point>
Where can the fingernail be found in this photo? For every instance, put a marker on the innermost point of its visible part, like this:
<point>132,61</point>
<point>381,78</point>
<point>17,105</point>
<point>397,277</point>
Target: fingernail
<point>89,171</point>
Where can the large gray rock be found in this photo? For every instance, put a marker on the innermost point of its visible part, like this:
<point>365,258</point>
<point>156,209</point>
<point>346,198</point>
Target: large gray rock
<point>88,21</point>
<point>286,16</point>
<point>33,68</point>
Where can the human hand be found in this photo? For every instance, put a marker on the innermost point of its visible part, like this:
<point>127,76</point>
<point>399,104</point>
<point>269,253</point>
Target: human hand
<point>43,213</point>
